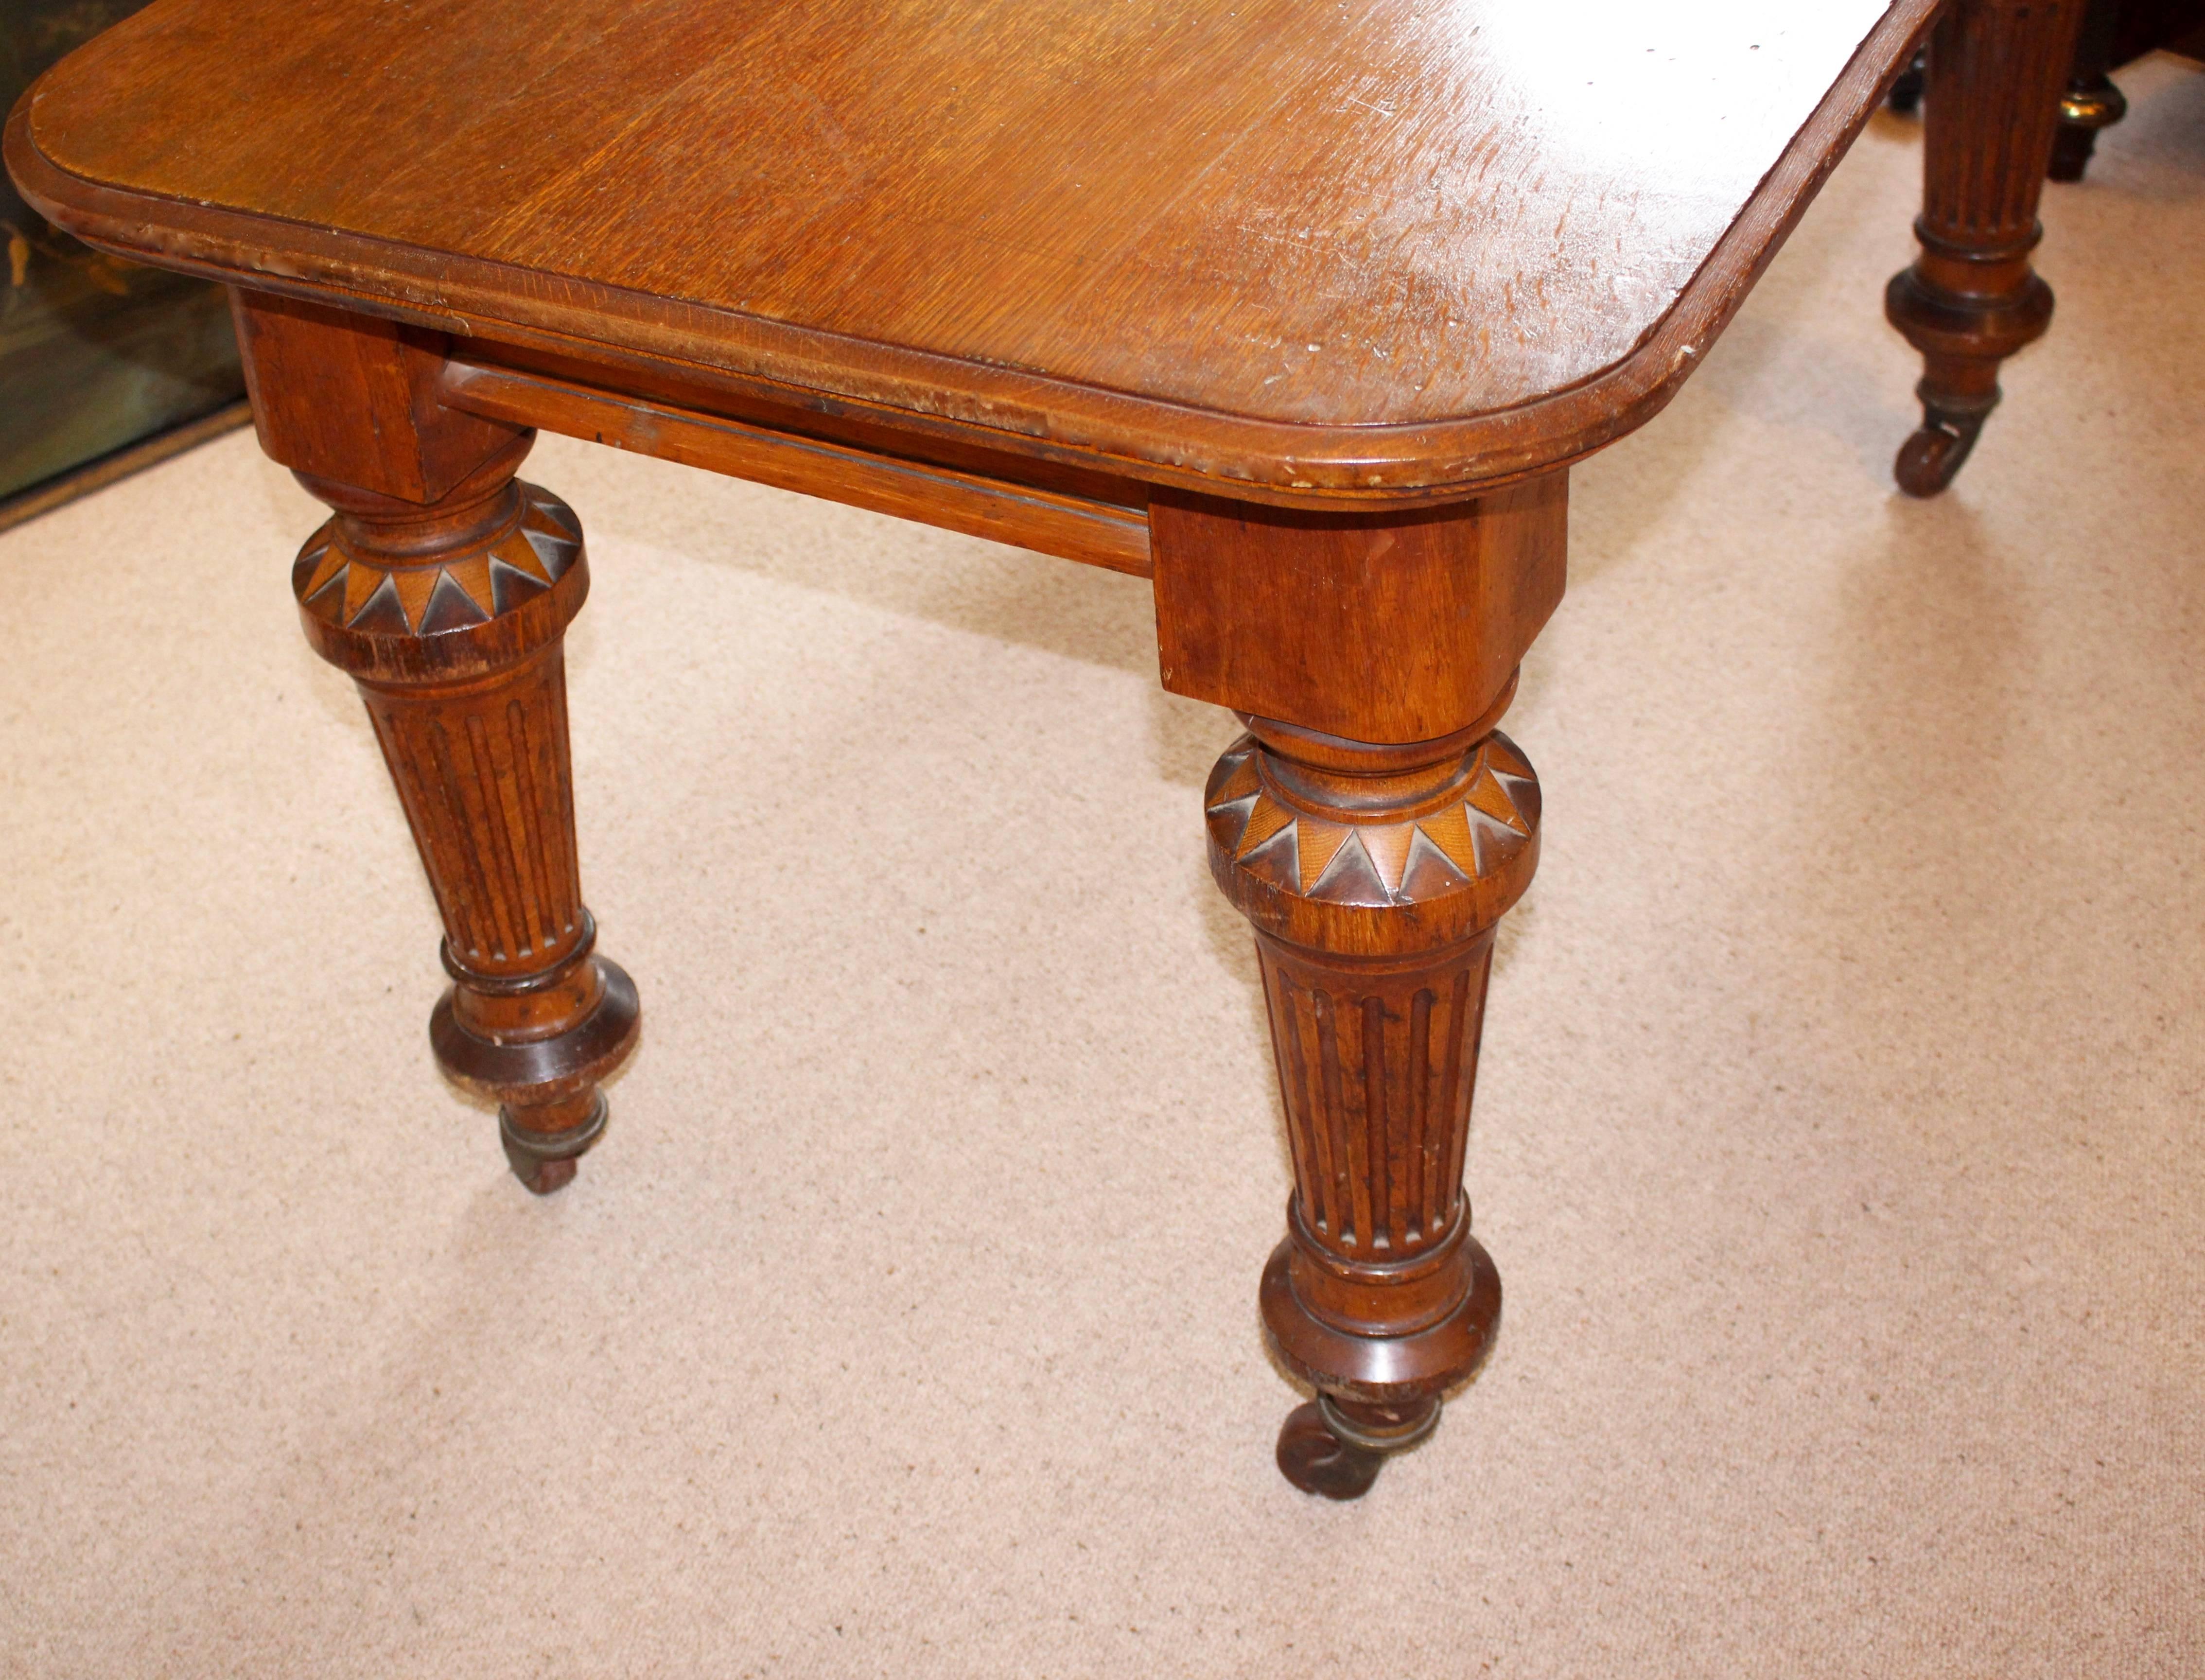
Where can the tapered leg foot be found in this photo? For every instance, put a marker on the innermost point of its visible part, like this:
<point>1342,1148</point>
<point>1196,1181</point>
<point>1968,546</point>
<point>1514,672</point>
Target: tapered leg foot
<point>550,1111</point>
<point>544,1157</point>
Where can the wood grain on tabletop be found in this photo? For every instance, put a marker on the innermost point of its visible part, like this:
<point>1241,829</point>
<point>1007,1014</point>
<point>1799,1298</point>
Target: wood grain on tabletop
<point>1370,213</point>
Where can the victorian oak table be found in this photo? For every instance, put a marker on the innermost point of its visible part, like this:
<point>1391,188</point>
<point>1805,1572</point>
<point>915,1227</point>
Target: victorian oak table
<point>1301,311</point>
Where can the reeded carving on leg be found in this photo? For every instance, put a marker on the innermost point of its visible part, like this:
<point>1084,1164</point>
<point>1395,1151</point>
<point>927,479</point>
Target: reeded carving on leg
<point>450,618</point>
<point>491,769</point>
<point>1374,877</point>
<point>1971,300</point>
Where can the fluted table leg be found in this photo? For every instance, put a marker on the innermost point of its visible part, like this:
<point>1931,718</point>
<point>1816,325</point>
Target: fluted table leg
<point>1971,300</point>
<point>1373,827</point>
<point>1374,877</point>
<point>443,585</point>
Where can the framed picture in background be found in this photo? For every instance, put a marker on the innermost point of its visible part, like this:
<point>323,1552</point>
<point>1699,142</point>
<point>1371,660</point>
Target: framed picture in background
<point>104,365</point>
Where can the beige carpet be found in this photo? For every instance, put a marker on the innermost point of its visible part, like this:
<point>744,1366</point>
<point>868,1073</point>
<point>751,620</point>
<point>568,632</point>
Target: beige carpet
<point>1839,1138</point>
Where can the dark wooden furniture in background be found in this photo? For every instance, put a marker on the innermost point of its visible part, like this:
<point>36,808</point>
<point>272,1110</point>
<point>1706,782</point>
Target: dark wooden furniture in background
<point>2115,33</point>
<point>1302,313</point>
<point>1971,300</point>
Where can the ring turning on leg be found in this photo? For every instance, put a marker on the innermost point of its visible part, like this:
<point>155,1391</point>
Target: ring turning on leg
<point>1374,877</point>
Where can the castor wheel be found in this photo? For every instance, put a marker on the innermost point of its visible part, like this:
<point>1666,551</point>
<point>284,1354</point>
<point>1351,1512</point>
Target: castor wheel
<point>1929,461</point>
<point>1335,1447</point>
<point>1316,1461</point>
<point>544,1161</point>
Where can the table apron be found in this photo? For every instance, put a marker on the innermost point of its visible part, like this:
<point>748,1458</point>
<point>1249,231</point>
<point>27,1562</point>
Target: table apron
<point>1095,533</point>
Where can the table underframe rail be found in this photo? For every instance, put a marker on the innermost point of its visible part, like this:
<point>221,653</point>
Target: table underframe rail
<point>1087,529</point>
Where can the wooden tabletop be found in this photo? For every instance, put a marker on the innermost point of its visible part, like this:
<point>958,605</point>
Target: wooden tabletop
<point>1346,245</point>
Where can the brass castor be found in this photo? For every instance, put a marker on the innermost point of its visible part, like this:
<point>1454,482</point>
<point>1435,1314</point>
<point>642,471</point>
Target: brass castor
<point>1335,1447</point>
<point>2084,110</point>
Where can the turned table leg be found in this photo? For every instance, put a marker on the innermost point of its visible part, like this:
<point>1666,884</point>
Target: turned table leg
<point>1996,68</point>
<point>1374,877</point>
<point>443,586</point>
<point>1372,842</point>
